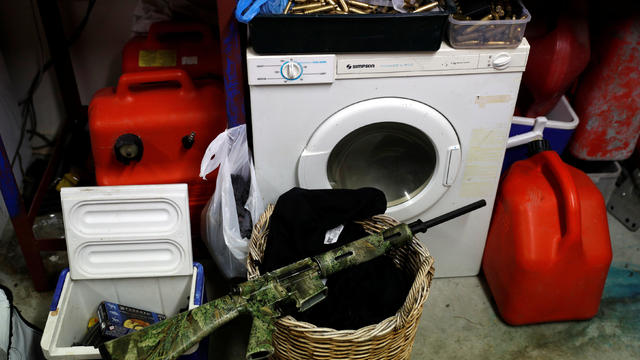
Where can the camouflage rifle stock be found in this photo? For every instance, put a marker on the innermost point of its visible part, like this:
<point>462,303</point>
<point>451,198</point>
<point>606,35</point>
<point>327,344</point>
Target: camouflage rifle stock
<point>266,298</point>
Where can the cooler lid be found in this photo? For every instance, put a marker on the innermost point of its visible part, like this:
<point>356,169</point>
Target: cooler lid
<point>127,231</point>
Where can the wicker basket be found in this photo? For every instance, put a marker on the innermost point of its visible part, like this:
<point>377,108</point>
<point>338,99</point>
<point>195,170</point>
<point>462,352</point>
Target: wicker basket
<point>390,339</point>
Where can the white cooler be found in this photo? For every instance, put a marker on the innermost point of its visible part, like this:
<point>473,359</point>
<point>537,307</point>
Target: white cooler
<point>126,244</point>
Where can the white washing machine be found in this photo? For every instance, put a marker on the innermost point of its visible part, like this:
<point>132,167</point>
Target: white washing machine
<point>429,129</point>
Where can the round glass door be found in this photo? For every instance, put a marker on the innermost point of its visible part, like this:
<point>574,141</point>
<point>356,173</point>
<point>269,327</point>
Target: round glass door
<point>403,147</point>
<point>396,158</point>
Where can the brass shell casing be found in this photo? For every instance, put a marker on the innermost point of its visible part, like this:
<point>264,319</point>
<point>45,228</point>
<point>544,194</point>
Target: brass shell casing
<point>286,9</point>
<point>320,9</point>
<point>474,27</point>
<point>357,11</point>
<point>343,5</point>
<point>361,4</point>
<point>307,6</point>
<point>427,7</point>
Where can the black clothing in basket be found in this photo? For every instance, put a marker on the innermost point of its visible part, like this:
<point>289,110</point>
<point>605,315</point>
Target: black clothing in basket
<point>357,297</point>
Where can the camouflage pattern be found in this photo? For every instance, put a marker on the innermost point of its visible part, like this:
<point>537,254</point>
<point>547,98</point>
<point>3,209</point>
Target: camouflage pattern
<point>260,338</point>
<point>363,250</point>
<point>297,285</point>
<point>170,338</point>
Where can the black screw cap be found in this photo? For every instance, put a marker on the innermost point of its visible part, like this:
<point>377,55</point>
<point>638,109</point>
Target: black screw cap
<point>538,146</point>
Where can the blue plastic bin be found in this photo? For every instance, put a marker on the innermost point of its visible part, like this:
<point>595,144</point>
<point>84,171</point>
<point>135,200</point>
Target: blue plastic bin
<point>88,293</point>
<point>562,121</point>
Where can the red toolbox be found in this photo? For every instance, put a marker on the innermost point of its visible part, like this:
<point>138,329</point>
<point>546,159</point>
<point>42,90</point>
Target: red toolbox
<point>154,128</point>
<point>188,46</point>
<point>548,250</point>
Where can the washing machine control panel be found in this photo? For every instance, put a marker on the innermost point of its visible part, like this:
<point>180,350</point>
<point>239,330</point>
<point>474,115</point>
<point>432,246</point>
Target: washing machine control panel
<point>429,64</point>
<point>284,70</point>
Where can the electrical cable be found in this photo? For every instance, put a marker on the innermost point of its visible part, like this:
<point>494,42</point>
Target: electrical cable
<point>41,136</point>
<point>38,35</point>
<point>27,107</point>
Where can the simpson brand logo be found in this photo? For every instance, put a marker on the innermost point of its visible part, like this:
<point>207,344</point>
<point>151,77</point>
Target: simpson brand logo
<point>361,66</point>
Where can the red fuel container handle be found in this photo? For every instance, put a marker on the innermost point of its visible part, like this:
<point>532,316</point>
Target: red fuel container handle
<point>145,77</point>
<point>170,27</point>
<point>558,173</point>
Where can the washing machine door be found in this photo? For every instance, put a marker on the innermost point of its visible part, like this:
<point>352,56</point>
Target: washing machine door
<point>403,147</point>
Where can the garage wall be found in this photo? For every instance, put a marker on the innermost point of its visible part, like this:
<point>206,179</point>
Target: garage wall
<point>10,131</point>
<point>95,56</point>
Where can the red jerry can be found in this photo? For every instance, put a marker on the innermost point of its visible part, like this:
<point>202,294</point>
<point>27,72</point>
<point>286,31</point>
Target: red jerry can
<point>154,128</point>
<point>187,46</point>
<point>548,250</point>
<point>608,98</point>
<point>555,62</point>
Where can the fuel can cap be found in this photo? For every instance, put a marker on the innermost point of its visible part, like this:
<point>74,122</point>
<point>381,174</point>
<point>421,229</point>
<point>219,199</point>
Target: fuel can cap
<point>128,147</point>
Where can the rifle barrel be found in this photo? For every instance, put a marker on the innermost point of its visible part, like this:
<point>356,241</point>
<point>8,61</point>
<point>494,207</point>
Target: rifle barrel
<point>420,226</point>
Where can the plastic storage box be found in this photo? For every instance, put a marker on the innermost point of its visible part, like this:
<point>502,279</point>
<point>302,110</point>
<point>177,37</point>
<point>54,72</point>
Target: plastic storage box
<point>478,34</point>
<point>126,244</point>
<point>295,34</point>
<point>604,174</point>
<point>558,130</point>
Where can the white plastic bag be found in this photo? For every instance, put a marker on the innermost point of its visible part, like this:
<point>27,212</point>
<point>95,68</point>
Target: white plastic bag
<point>220,225</point>
<point>399,5</point>
<point>19,339</point>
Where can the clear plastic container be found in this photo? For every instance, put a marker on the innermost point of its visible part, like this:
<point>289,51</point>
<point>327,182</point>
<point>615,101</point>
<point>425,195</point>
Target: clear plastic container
<point>49,226</point>
<point>487,34</point>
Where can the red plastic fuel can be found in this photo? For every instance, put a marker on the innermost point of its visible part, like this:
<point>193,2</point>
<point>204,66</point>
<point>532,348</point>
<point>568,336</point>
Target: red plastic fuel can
<point>608,98</point>
<point>187,46</point>
<point>548,250</point>
<point>555,62</point>
<point>154,128</point>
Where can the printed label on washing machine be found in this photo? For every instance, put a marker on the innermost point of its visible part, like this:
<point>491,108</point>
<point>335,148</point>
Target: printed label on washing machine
<point>406,64</point>
<point>355,66</point>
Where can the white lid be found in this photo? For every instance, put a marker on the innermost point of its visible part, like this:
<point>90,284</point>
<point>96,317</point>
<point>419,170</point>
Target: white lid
<point>127,231</point>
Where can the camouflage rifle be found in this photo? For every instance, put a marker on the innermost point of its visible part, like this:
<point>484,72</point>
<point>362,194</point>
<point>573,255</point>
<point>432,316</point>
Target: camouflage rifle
<point>265,298</point>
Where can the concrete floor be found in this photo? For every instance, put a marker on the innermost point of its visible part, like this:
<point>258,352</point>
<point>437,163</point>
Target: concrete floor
<point>459,319</point>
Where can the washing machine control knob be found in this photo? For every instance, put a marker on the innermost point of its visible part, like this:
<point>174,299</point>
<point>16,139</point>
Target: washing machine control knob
<point>291,70</point>
<point>501,61</point>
